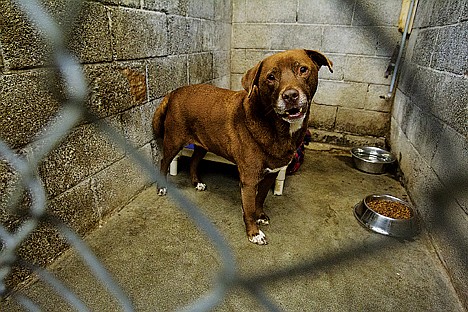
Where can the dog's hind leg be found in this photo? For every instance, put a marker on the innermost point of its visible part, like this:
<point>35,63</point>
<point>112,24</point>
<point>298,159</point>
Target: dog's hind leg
<point>170,150</point>
<point>263,189</point>
<point>197,156</point>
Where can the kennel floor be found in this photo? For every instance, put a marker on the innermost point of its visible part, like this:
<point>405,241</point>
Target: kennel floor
<point>319,258</point>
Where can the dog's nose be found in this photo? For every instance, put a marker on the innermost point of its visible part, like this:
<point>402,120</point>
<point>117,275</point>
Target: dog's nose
<point>291,96</point>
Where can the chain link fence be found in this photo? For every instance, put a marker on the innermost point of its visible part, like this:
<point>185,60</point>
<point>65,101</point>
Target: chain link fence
<point>73,110</point>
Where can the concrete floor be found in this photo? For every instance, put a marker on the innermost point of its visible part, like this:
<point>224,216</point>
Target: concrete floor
<point>163,262</point>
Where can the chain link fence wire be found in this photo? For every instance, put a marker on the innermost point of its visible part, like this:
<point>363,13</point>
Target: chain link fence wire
<point>74,110</point>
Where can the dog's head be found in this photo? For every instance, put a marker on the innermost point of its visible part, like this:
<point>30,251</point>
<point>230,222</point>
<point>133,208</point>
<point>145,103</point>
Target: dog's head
<point>286,82</point>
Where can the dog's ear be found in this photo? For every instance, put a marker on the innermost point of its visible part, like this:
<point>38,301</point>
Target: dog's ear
<point>320,59</point>
<point>250,78</point>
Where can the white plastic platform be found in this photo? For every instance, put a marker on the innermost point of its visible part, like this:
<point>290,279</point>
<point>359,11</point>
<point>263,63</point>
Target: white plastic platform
<point>279,184</point>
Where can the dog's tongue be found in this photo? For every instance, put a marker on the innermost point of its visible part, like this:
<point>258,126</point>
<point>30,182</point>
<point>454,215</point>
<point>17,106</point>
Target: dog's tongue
<point>294,113</point>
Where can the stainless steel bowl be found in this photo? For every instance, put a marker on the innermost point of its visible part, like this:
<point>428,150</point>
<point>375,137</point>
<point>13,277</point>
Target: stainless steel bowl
<point>370,219</point>
<point>372,159</point>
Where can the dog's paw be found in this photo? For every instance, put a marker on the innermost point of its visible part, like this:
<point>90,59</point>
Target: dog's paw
<point>263,219</point>
<point>162,191</point>
<point>259,239</point>
<point>200,186</point>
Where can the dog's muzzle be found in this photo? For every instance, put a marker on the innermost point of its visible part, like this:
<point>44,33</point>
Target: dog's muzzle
<point>292,105</point>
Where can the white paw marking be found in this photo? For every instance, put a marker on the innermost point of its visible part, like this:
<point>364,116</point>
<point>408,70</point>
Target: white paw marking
<point>263,222</point>
<point>200,186</point>
<point>259,239</point>
<point>162,191</point>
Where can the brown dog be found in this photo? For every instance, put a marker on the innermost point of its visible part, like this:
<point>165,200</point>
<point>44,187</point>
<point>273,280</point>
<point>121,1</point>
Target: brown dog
<point>258,128</point>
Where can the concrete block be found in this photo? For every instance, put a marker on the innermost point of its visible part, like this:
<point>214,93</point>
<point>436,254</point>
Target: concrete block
<point>138,34</point>
<point>201,9</point>
<point>367,69</point>
<point>236,82</point>
<point>423,16</point>
<point>422,86</point>
<point>130,3</point>
<point>331,12</point>
<point>406,77</point>
<point>375,98</point>
<point>242,60</point>
<point>222,82</point>
<point>447,12</point>
<point>27,105</point>
<point>74,207</point>
<point>360,140</point>
<point>209,38</point>
<point>185,35</point>
<point>90,39</point>
<point>22,44</point>
<point>339,67</point>
<point>450,50</point>
<point>269,11</point>
<point>178,7</point>
<point>222,10</point>
<point>8,184</point>
<point>107,185</point>
<point>215,36</point>
<point>166,74</point>
<point>238,11</point>
<point>81,154</point>
<point>345,139</point>
<point>450,103</point>
<point>136,124</point>
<point>372,13</point>
<point>424,47</point>
<point>365,40</point>
<point>221,64</point>
<point>273,36</point>
<point>362,122</point>
<point>341,93</point>
<point>450,157</point>
<point>407,116</point>
<point>426,135</point>
<point>115,87</point>
<point>306,37</point>
<point>200,67</point>
<point>399,103</point>
<point>250,36</point>
<point>464,13</point>
<point>322,116</point>
<point>328,137</point>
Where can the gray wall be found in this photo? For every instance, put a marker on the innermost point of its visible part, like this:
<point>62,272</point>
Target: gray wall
<point>430,129</point>
<point>133,52</point>
<point>358,36</point>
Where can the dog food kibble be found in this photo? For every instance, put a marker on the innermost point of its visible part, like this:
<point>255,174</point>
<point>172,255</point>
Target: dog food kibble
<point>391,209</point>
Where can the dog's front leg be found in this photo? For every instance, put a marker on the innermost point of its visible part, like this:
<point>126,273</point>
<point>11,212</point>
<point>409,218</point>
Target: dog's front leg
<point>248,194</point>
<point>263,188</point>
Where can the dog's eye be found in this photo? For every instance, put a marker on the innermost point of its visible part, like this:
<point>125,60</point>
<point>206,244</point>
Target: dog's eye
<point>271,77</point>
<point>303,70</point>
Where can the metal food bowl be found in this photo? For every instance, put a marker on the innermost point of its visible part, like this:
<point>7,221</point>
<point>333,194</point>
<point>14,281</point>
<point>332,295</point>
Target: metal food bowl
<point>372,159</point>
<point>370,219</point>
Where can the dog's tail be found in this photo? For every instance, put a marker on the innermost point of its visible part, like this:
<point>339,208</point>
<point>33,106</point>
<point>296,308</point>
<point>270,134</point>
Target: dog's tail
<point>159,118</point>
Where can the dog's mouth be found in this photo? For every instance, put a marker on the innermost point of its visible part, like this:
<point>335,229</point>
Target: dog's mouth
<point>293,113</point>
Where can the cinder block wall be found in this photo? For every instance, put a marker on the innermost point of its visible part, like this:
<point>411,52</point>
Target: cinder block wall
<point>133,52</point>
<point>358,36</point>
<point>429,130</point>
